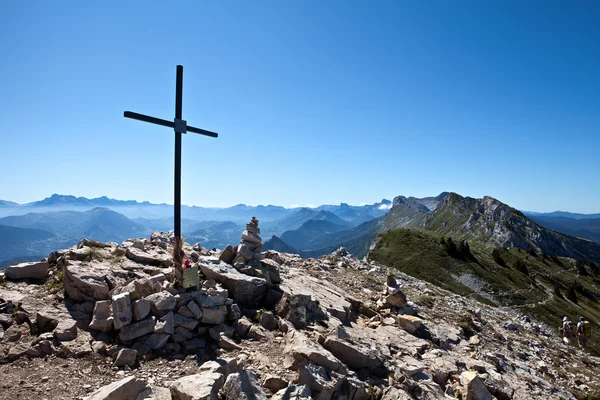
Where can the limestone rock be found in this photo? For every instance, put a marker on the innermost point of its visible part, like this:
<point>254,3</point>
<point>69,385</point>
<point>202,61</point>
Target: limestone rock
<point>12,334</point>
<point>127,388</point>
<point>66,330</point>
<point>203,386</point>
<point>296,392</point>
<point>165,324</point>
<point>86,282</point>
<point>194,309</point>
<point>304,350</point>
<point>409,323</point>
<point>227,254</point>
<point>152,257</point>
<point>187,323</point>
<point>141,309</point>
<point>162,302</point>
<point>476,389</point>
<point>353,355</point>
<point>137,329</point>
<point>317,379</point>
<point>102,319</point>
<point>121,307</point>
<point>275,383</point>
<point>32,270</point>
<point>157,340</point>
<point>245,290</point>
<point>125,357</point>
<point>243,385</point>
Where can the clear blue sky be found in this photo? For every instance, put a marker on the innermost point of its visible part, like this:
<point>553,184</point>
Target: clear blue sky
<point>316,102</point>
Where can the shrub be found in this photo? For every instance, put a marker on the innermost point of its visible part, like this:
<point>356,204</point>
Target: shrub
<point>521,267</point>
<point>571,295</point>
<point>580,265</point>
<point>498,258</point>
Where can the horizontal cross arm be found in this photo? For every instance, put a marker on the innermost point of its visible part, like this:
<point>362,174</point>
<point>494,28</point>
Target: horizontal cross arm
<point>169,124</point>
<point>147,118</point>
<point>202,131</point>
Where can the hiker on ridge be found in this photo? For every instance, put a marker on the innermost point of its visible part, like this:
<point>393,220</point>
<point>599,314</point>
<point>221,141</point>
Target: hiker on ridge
<point>567,330</point>
<point>583,332</point>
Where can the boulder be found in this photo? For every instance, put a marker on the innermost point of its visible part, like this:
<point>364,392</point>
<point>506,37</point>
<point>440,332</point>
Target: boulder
<point>317,379</point>
<point>187,323</point>
<point>273,269</point>
<point>227,254</point>
<point>410,366</point>
<point>46,319</point>
<point>475,387</point>
<point>66,330</point>
<point>214,315</point>
<point>102,319</point>
<point>409,323</point>
<point>161,302</point>
<point>245,290</point>
<point>137,329</point>
<point>275,383</point>
<point>125,357</point>
<point>194,309</point>
<point>203,386</point>
<point>127,388</point>
<point>121,307</point>
<point>79,347</point>
<point>151,257</point>
<point>157,340</point>
<point>227,344</point>
<point>243,385</point>
<point>303,350</point>
<point>31,270</point>
<point>141,309</point>
<point>86,282</point>
<point>12,334</point>
<point>353,355</point>
<point>296,392</point>
<point>268,321</point>
<point>165,324</point>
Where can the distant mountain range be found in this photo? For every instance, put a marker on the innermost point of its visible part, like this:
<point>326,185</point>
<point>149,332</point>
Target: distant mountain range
<point>309,231</point>
<point>71,218</point>
<point>486,221</point>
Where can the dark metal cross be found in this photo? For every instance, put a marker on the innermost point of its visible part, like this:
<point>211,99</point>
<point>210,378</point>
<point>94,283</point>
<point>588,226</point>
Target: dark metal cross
<point>180,126</point>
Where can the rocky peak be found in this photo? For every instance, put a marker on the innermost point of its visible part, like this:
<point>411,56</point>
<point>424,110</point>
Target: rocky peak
<point>103,320</point>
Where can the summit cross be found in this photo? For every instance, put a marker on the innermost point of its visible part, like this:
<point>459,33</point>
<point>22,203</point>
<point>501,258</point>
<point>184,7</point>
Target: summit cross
<point>180,126</point>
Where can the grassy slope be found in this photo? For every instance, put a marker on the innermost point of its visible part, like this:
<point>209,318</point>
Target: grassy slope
<point>422,255</point>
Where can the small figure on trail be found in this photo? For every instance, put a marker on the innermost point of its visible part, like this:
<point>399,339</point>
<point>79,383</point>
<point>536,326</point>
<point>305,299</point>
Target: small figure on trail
<point>583,332</point>
<point>567,330</point>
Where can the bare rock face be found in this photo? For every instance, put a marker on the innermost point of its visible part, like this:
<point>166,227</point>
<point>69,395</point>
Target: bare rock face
<point>203,386</point>
<point>243,385</point>
<point>34,270</point>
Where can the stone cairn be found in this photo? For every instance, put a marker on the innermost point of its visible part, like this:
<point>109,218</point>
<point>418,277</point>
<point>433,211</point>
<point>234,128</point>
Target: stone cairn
<point>247,254</point>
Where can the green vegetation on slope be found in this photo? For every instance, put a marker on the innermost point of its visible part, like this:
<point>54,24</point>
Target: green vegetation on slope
<point>545,287</point>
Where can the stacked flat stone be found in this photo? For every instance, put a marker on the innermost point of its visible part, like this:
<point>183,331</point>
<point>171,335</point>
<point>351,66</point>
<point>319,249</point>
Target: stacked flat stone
<point>249,248</point>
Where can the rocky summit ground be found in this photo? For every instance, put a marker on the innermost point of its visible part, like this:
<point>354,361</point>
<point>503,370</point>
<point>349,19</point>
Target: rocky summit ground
<point>102,321</point>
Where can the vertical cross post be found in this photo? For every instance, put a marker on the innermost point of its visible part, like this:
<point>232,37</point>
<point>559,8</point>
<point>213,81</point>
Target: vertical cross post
<point>177,246</point>
<point>178,107</point>
<point>180,126</point>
